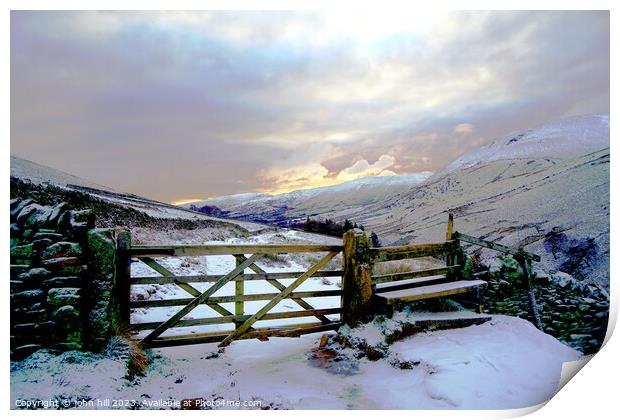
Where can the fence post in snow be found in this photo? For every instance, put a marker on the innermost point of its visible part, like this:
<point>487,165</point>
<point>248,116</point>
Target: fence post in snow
<point>356,279</point>
<point>123,273</point>
<point>451,256</point>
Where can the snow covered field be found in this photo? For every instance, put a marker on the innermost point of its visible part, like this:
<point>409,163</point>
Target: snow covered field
<point>505,363</point>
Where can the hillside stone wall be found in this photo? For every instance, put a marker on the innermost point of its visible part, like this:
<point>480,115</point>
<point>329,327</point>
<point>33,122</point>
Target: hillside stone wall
<point>62,279</point>
<point>572,311</point>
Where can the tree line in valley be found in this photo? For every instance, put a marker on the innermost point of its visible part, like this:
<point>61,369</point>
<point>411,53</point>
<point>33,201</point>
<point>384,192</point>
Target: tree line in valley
<point>333,228</point>
<point>323,226</point>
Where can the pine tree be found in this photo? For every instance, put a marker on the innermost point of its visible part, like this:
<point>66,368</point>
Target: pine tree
<point>374,240</point>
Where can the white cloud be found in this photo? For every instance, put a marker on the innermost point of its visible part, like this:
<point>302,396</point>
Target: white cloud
<point>295,174</point>
<point>464,128</point>
<point>362,168</point>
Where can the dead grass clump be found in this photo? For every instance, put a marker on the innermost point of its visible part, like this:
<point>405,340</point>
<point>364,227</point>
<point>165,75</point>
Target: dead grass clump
<point>124,348</point>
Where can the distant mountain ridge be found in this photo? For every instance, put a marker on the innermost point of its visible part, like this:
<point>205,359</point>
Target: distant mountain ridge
<point>282,208</point>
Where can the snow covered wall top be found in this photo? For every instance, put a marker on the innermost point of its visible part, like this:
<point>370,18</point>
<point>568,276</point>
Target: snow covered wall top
<point>562,139</point>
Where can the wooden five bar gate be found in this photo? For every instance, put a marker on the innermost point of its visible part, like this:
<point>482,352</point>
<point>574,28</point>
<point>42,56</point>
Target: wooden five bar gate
<point>362,293</point>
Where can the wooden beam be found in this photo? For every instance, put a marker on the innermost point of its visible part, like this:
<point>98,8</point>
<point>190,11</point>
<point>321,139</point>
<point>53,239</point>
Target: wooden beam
<point>194,250</point>
<point>236,318</point>
<point>158,303</point>
<point>385,278</point>
<point>430,247</point>
<point>189,289</point>
<point>259,333</point>
<point>408,284</point>
<point>246,277</point>
<point>201,299</point>
<point>408,252</point>
<point>283,294</point>
<point>280,287</point>
<point>430,292</point>
<point>494,246</point>
<point>239,287</point>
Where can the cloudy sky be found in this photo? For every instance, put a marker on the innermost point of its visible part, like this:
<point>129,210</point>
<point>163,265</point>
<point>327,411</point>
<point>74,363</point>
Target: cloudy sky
<point>188,105</point>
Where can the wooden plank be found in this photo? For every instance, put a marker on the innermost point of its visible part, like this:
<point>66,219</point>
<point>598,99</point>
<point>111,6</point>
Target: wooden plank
<point>408,284</point>
<point>226,299</point>
<point>194,250</point>
<point>239,287</point>
<point>410,251</point>
<point>237,318</point>
<point>283,294</point>
<point>434,291</point>
<point>201,299</point>
<point>494,246</point>
<point>385,278</point>
<point>292,332</point>
<point>281,287</point>
<point>189,289</point>
<point>259,333</point>
<point>246,277</point>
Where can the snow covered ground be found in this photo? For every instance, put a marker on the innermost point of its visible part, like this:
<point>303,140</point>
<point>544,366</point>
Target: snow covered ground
<point>505,363</point>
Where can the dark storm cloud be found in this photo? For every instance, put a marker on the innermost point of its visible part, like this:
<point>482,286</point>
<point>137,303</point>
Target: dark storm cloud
<point>188,105</point>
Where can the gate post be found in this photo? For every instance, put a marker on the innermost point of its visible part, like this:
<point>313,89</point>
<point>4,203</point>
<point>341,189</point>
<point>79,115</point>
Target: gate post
<point>123,274</point>
<point>524,262</point>
<point>451,255</point>
<point>356,279</point>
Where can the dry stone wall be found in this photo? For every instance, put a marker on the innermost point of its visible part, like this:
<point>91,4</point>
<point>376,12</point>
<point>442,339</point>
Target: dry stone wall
<point>62,279</point>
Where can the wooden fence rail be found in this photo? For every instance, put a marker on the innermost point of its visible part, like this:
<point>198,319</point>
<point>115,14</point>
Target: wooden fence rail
<point>495,246</point>
<point>359,284</point>
<point>201,250</point>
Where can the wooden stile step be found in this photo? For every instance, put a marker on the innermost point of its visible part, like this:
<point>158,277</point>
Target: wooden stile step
<point>425,321</point>
<point>409,284</point>
<point>431,291</point>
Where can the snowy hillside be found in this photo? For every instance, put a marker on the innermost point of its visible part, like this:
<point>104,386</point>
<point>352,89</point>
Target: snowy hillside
<point>35,173</point>
<point>549,190</point>
<point>566,138</point>
<point>26,169</point>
